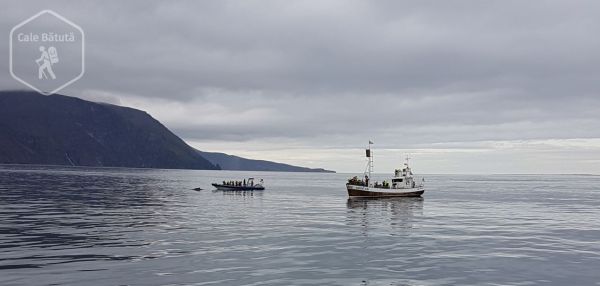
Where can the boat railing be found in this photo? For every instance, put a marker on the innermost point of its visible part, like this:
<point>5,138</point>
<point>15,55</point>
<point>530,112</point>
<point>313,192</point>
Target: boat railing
<point>419,181</point>
<point>357,182</point>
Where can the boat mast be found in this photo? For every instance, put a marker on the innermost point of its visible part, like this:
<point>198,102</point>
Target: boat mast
<point>408,170</point>
<point>370,163</point>
<point>370,159</point>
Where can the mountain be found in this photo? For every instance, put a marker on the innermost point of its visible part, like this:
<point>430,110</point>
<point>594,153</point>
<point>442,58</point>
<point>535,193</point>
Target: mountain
<point>230,162</point>
<point>62,130</point>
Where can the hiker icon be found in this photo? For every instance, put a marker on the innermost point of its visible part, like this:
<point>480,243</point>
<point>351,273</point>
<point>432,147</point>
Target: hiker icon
<point>45,62</point>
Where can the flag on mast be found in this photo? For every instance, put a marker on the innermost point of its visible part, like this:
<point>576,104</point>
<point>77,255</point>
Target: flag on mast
<point>371,142</point>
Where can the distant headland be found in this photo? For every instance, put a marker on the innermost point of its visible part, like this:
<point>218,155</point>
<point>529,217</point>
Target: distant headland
<point>64,130</point>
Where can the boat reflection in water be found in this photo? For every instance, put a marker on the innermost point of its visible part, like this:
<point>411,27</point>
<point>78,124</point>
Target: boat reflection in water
<point>244,194</point>
<point>373,213</point>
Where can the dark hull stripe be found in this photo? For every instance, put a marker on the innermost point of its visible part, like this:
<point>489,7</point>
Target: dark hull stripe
<point>237,188</point>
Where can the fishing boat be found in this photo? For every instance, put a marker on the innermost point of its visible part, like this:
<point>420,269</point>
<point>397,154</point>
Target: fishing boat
<point>244,185</point>
<point>403,184</point>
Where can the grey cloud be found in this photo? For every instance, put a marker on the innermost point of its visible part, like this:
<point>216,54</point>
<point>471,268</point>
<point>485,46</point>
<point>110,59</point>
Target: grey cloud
<point>409,72</point>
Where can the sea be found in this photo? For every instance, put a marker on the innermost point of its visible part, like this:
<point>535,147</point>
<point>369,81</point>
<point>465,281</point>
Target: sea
<point>115,226</point>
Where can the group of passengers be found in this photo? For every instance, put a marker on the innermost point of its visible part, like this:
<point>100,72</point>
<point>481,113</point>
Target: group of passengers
<point>384,185</point>
<point>238,183</point>
<point>359,182</point>
<point>365,183</point>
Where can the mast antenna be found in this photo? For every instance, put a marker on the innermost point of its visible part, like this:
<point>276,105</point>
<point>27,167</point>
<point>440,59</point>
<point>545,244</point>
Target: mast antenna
<point>370,157</point>
<point>371,167</point>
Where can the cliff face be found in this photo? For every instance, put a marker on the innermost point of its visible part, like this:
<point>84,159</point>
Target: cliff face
<point>230,162</point>
<point>62,130</point>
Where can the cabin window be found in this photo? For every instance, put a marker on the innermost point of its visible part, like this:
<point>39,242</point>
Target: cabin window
<point>397,180</point>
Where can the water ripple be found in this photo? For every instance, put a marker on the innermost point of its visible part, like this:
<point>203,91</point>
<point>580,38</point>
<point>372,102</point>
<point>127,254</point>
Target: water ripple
<point>74,226</point>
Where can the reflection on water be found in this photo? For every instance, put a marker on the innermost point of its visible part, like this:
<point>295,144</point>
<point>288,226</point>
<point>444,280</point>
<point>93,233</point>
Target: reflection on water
<point>395,205</point>
<point>77,226</point>
<point>249,194</point>
<point>397,212</point>
<point>61,211</point>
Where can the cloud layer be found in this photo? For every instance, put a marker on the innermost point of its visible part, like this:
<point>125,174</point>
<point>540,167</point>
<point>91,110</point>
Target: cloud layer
<point>287,79</point>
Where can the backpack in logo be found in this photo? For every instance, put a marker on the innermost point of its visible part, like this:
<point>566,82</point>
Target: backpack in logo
<point>53,54</point>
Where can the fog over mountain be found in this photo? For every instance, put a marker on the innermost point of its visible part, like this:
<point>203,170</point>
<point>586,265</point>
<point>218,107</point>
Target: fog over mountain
<point>461,86</point>
<point>64,130</point>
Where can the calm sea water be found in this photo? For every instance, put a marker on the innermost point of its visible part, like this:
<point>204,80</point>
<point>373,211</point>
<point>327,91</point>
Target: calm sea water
<point>73,226</point>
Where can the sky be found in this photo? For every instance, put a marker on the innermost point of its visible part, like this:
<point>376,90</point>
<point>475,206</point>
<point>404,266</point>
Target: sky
<point>472,87</point>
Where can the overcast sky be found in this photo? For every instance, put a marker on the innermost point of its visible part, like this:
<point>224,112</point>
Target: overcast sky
<point>461,86</point>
